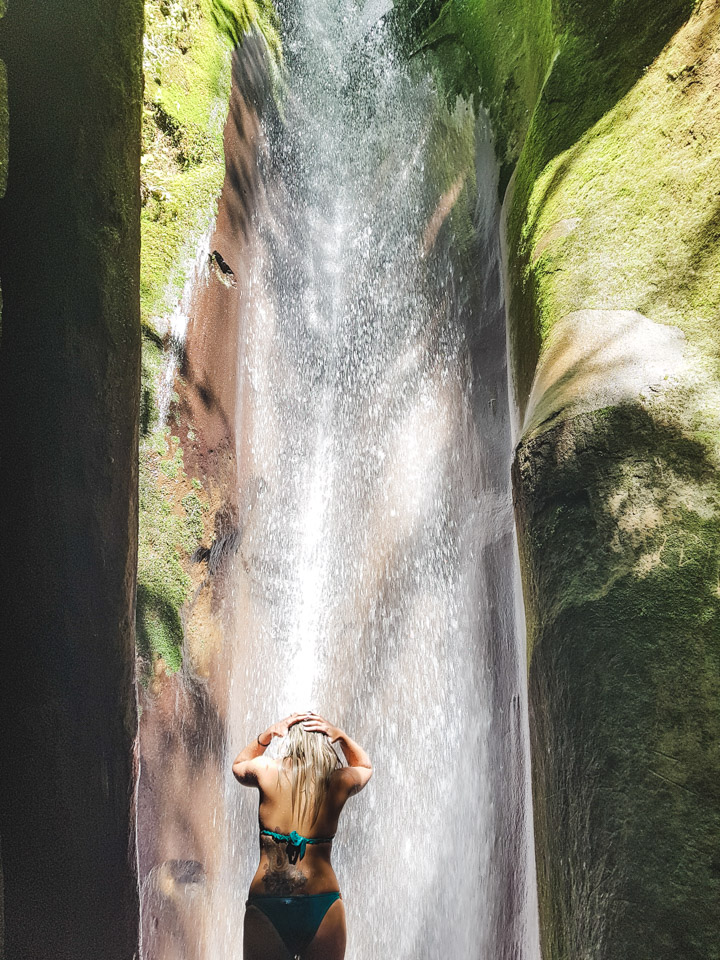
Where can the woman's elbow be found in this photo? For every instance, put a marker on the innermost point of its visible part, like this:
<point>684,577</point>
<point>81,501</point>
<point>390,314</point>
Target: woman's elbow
<point>364,775</point>
<point>240,772</point>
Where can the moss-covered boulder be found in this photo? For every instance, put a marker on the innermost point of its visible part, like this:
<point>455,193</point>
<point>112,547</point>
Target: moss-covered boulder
<point>606,119</point>
<point>69,392</point>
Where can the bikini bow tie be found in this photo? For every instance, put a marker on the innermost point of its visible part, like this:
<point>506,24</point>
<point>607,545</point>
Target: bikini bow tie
<point>299,845</point>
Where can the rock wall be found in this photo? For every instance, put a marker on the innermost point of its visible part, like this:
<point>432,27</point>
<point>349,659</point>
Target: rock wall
<point>189,305</point>
<point>69,391</point>
<point>198,236</point>
<point>606,126</point>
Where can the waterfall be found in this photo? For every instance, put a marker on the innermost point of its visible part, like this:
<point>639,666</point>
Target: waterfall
<point>375,579</point>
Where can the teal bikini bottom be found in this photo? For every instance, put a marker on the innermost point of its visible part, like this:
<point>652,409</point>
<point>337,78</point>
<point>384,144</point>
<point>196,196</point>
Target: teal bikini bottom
<point>296,919</point>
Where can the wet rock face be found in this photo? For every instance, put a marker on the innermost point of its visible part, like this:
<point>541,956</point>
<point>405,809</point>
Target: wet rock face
<point>606,127</point>
<point>69,386</point>
<point>617,493</point>
<point>618,516</point>
<point>184,714</point>
<point>593,359</point>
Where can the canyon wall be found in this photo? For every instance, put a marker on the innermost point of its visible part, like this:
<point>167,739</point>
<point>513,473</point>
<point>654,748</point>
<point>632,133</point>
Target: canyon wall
<point>69,391</point>
<point>187,441</point>
<point>210,69</point>
<point>605,118</point>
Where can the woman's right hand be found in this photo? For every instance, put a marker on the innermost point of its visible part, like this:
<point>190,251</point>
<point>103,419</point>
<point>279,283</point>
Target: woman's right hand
<point>314,723</point>
<point>280,729</point>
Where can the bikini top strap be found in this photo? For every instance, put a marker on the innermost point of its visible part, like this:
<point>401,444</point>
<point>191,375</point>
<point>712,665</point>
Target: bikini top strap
<point>296,841</point>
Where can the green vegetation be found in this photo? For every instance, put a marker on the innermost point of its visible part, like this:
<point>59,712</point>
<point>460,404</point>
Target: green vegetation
<point>194,509</point>
<point>188,45</point>
<point>641,180</point>
<point>163,584</point>
<point>187,65</point>
<point>187,85</point>
<point>235,19</point>
<point>566,86</point>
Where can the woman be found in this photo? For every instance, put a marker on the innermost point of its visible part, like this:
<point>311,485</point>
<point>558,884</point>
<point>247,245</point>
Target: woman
<point>294,908</point>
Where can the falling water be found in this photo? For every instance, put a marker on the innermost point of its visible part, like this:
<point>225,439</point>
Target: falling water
<point>375,579</point>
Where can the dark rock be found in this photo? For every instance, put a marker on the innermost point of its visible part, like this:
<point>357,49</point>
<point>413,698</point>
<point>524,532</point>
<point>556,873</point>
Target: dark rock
<point>222,270</point>
<point>618,519</point>
<point>69,394</point>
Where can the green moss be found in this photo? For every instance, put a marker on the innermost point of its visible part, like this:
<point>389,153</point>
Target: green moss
<point>194,510</point>
<point>163,584</point>
<point>235,19</point>
<point>187,86</point>
<point>508,82</point>
<point>173,467</point>
<point>578,107</point>
<point>171,526</point>
<point>642,182</point>
<point>609,116</point>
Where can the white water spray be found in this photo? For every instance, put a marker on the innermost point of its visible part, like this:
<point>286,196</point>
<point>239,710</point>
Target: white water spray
<point>375,578</point>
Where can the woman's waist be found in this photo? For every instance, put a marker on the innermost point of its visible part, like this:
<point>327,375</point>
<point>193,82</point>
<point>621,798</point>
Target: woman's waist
<point>285,880</point>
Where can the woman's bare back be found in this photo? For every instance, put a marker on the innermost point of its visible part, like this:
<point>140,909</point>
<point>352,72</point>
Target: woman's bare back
<point>277,874</point>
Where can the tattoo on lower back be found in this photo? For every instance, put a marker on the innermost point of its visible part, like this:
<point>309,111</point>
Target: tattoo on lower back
<point>281,877</point>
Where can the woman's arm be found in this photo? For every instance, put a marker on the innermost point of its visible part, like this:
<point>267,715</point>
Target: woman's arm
<point>245,765</point>
<point>359,768</point>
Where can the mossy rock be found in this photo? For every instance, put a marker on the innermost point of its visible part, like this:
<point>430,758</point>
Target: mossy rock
<point>619,521</point>
<point>188,47</point>
<point>606,127</point>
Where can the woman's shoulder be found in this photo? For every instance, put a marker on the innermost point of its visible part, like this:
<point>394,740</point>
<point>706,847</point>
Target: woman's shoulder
<point>260,771</point>
<point>268,765</point>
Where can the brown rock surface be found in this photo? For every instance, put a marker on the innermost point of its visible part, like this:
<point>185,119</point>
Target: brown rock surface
<point>183,715</point>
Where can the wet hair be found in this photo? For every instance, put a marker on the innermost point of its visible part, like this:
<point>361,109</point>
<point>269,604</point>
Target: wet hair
<point>312,763</point>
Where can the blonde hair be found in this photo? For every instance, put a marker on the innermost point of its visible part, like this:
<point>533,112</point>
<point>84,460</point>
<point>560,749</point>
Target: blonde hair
<point>312,763</point>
